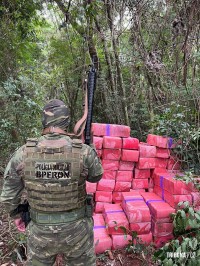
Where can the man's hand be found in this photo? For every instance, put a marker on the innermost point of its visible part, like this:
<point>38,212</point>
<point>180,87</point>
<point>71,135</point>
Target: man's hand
<point>20,225</point>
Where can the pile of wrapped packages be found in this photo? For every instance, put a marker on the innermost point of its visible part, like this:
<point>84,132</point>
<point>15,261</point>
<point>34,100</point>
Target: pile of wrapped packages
<point>137,191</point>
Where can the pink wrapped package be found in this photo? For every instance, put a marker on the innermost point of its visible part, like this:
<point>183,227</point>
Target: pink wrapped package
<point>112,142</point>
<point>130,155</point>
<point>106,185</point>
<point>141,228</point>
<point>109,174</point>
<point>140,183</point>
<point>120,241</point>
<point>174,186</point>
<point>162,153</point>
<point>161,229</point>
<point>159,191</point>
<point>150,189</point>
<point>117,197</point>
<point>126,166</point>
<point>111,154</point>
<point>173,164</point>
<point>159,179</point>
<point>146,163</point>
<point>122,186</point>
<point>98,142</point>
<point>131,195</point>
<point>136,211</point>
<point>99,206</point>
<point>99,153</point>
<point>91,187</point>
<point>103,196</point>
<point>110,165</point>
<point>115,217</point>
<point>161,163</point>
<point>110,130</point>
<point>130,143</point>
<point>159,141</point>
<point>195,199</point>
<point>126,176</point>
<point>148,196</point>
<point>159,171</point>
<point>141,173</point>
<point>102,240</point>
<point>160,211</point>
<point>159,242</point>
<point>147,151</point>
<point>173,200</point>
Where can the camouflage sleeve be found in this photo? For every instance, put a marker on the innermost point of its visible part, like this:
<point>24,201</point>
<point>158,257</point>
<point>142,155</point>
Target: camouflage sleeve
<point>92,162</point>
<point>13,183</point>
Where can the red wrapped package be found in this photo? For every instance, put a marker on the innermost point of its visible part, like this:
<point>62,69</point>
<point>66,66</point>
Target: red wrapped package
<point>161,163</point>
<point>110,165</point>
<point>131,195</point>
<point>106,185</point>
<point>146,163</point>
<point>125,176</point>
<point>142,173</point>
<point>159,191</point>
<point>136,210</point>
<point>159,242</point>
<point>140,183</point>
<point>110,130</point>
<point>175,187</point>
<point>99,206</point>
<point>120,241</point>
<point>173,200</point>
<point>98,142</point>
<point>173,164</point>
<point>112,142</point>
<point>162,153</point>
<point>122,186</point>
<point>141,228</point>
<point>109,174</point>
<point>138,190</point>
<point>102,240</point>
<point>111,154</point>
<point>195,199</point>
<point>147,151</point>
<point>91,187</point>
<point>159,179</point>
<point>161,229</point>
<point>126,166</point>
<point>159,141</point>
<point>103,196</point>
<point>161,211</point>
<point>159,171</point>
<point>117,197</point>
<point>148,196</point>
<point>115,217</point>
<point>130,155</point>
<point>130,143</point>
<point>150,189</point>
<point>99,153</point>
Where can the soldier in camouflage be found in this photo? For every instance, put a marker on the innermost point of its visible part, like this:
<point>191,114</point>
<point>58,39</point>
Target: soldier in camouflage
<point>53,169</point>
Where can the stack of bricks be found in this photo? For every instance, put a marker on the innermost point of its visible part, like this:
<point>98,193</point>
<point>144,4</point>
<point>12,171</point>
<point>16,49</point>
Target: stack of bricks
<point>137,190</point>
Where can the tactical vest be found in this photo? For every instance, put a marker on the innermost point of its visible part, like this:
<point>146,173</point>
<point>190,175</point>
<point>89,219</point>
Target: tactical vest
<point>52,175</point>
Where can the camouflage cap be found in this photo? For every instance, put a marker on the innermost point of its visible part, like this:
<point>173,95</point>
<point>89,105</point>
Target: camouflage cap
<point>56,114</point>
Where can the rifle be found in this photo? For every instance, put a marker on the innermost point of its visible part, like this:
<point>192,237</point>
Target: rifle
<point>23,210</point>
<point>91,86</point>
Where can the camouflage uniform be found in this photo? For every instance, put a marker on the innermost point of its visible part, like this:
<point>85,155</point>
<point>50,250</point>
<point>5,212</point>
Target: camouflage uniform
<point>73,239</point>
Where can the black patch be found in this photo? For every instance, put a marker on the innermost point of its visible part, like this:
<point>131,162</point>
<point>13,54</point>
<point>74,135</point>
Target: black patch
<point>53,170</point>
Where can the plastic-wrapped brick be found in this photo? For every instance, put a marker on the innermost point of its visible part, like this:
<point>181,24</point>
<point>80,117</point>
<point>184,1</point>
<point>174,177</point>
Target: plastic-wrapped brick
<point>106,185</point>
<point>130,143</point>
<point>103,196</point>
<point>98,142</point>
<point>122,186</point>
<point>109,174</point>
<point>146,163</point>
<point>126,176</point>
<point>112,142</point>
<point>140,183</point>
<point>142,173</point>
<point>126,166</point>
<point>162,153</point>
<point>159,141</point>
<point>147,151</point>
<point>113,130</point>
<point>110,164</point>
<point>130,155</point>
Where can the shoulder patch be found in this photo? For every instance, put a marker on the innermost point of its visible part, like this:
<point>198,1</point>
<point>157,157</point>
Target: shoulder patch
<point>31,142</point>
